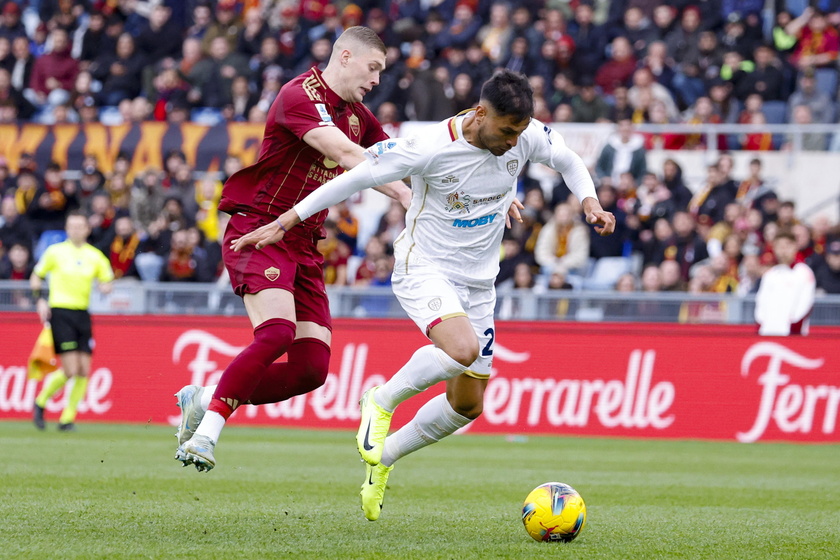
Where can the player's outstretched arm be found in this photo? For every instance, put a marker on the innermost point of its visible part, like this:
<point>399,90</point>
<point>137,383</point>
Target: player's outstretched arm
<point>603,221</point>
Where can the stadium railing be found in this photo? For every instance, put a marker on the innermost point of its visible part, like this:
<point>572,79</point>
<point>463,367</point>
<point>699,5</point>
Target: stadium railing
<point>157,298</point>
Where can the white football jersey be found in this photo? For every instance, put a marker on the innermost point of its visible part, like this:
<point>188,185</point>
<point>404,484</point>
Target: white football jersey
<point>460,193</point>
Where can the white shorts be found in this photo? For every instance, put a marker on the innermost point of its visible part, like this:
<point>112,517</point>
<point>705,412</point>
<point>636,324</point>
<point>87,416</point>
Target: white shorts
<point>429,297</point>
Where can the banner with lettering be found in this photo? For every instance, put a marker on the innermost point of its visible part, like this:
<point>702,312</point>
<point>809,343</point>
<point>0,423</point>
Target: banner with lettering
<point>146,144</point>
<point>636,380</point>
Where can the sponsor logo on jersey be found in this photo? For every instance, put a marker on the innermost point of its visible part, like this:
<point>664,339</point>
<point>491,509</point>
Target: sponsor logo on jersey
<point>272,273</point>
<point>458,202</point>
<point>355,126</point>
<point>547,131</point>
<point>379,148</point>
<point>322,110</point>
<point>512,166</point>
<point>450,179</point>
<point>330,164</point>
<point>475,222</point>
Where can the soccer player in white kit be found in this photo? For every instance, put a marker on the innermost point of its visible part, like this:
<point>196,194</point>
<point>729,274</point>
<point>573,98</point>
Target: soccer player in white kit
<point>463,178</point>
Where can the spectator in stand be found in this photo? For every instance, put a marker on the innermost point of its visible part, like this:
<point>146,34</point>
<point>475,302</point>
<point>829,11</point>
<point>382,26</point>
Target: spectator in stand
<point>21,64</point>
<point>336,254</point>
<point>820,103</point>
<point>496,35</point>
<point>654,244</point>
<point>523,26</point>
<point>374,249</point>
<point>753,191</point>
<point>828,269</point>
<point>53,74</point>
<point>663,21</point>
<point>118,188</point>
<point>254,32</point>
<point>623,152</point>
<point>808,141</point>
<point>618,70</point>
<point>613,245</point>
<point>93,39</point>
<point>391,224</point>
<point>147,199</point>
<point>213,76</point>
<point>14,228</point>
<point>11,26</point>
<point>643,80</point>
<point>712,197</point>
<point>462,29</point>
<point>636,28</point>
<point>785,296</point>
<point>689,246</point>
<point>228,26</point>
<point>120,74</point>
<point>51,202</point>
<point>318,55</point>
<point>13,97</point>
<point>818,43</point>
<point>160,38</point>
<point>563,243</point>
<point>671,274</point>
<point>766,78</point>
<point>202,17</point>
<point>121,248</point>
<point>587,105</point>
<point>101,219</point>
<point>589,39</point>
<point>16,263</point>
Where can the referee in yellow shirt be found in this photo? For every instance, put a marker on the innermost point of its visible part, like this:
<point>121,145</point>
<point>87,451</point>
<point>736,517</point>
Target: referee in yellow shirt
<point>72,266</point>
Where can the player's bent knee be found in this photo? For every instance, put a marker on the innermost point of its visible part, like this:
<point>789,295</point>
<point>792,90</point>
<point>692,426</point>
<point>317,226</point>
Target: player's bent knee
<point>468,408</point>
<point>464,355</point>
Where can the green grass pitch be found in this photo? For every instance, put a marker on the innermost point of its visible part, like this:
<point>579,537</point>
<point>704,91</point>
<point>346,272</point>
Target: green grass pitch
<point>115,491</point>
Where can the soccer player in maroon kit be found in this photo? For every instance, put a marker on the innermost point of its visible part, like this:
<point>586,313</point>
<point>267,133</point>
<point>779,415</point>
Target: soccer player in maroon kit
<point>316,128</point>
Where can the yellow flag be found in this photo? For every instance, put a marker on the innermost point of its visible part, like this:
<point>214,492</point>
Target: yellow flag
<point>43,360</point>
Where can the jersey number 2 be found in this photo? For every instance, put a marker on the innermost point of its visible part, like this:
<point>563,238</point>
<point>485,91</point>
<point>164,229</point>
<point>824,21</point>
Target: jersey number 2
<point>488,348</point>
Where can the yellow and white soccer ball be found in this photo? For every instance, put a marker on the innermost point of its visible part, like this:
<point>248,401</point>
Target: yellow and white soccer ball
<point>554,512</point>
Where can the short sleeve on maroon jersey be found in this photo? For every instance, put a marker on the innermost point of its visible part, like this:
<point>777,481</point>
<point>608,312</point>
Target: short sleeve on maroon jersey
<point>300,114</point>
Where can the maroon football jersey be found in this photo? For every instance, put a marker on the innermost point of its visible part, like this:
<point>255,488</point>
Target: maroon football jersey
<point>288,168</point>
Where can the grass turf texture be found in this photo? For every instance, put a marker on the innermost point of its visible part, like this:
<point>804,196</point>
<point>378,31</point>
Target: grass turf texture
<point>115,491</point>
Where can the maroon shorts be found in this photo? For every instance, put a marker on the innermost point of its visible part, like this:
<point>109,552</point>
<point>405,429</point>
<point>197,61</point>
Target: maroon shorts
<point>294,264</point>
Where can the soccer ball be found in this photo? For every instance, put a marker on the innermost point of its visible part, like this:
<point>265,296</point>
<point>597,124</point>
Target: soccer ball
<point>554,512</point>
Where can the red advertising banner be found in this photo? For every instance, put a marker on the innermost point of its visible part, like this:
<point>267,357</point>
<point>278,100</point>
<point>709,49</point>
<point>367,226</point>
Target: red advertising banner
<point>636,380</point>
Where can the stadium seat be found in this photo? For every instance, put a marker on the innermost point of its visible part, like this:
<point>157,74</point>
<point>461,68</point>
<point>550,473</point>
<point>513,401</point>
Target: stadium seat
<point>49,237</point>
<point>775,112</point>
<point>606,272</point>
<point>827,81</point>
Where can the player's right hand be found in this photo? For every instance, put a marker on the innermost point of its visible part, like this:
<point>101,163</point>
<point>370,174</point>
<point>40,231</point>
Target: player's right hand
<point>266,235</point>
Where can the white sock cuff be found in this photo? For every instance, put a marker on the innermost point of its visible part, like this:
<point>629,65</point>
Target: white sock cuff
<point>449,365</point>
<point>451,417</point>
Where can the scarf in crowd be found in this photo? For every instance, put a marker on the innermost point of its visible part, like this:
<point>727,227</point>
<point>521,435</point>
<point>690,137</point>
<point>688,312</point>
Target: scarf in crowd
<point>122,254</point>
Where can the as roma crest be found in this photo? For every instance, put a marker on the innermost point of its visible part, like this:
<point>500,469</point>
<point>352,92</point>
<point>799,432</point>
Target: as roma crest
<point>272,273</point>
<point>355,127</point>
<point>512,166</point>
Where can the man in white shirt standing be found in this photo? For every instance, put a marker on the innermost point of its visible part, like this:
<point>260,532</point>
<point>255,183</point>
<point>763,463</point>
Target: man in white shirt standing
<point>463,173</point>
<point>786,293</point>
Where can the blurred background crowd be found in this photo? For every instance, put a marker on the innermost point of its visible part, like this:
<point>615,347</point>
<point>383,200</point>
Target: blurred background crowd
<point>626,62</point>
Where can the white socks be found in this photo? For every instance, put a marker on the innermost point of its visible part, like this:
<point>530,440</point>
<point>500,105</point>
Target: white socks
<point>429,365</point>
<point>211,425</point>
<point>207,396</point>
<point>433,422</point>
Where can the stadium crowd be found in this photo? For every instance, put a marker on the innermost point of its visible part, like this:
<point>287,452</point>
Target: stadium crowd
<point>620,61</point>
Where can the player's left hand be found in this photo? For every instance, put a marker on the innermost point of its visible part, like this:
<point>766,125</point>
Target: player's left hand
<point>604,221</point>
<point>514,211</point>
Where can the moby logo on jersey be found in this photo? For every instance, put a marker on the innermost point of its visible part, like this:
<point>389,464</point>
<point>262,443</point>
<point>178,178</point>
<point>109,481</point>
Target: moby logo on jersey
<point>482,221</point>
